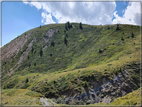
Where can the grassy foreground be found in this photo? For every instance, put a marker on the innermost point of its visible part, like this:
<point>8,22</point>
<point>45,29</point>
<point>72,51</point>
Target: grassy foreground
<point>20,97</point>
<point>27,97</point>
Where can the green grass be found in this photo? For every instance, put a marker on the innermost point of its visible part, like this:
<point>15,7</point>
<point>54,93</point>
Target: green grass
<point>62,68</point>
<point>82,49</point>
<point>20,97</point>
<point>133,98</point>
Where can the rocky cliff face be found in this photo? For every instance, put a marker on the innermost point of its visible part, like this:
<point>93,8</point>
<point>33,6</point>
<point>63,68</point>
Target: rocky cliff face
<point>14,46</point>
<point>106,90</point>
<point>10,51</point>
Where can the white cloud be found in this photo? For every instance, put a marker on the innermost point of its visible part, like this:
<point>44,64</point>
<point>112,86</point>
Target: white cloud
<point>88,12</point>
<point>85,12</point>
<point>47,18</point>
<point>37,4</point>
<point>132,15</point>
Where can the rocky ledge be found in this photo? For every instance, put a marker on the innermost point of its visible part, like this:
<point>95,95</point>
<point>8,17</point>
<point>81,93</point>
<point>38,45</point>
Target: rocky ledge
<point>107,90</point>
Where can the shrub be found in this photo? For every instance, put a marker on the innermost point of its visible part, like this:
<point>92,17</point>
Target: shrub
<point>100,51</point>
<point>85,84</point>
<point>52,44</point>
<point>122,38</point>
<point>27,80</point>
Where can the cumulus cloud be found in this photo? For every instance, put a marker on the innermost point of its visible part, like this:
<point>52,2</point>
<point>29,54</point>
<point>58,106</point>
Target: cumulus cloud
<point>85,12</point>
<point>46,18</point>
<point>95,13</point>
<point>132,15</point>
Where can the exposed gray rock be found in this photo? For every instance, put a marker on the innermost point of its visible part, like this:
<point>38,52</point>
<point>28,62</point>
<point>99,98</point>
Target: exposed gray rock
<point>106,92</point>
<point>48,36</point>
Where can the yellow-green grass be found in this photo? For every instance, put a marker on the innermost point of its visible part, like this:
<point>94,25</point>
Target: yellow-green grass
<point>34,78</point>
<point>20,97</point>
<point>133,98</point>
<point>111,60</point>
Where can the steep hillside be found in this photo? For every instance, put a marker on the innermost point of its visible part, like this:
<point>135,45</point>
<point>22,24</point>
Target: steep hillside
<point>73,63</point>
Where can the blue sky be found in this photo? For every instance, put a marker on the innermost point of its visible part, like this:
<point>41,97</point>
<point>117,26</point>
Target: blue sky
<point>18,17</point>
<point>120,7</point>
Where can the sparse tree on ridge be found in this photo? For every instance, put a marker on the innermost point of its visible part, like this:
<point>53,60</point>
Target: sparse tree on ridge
<point>80,26</point>
<point>117,28</point>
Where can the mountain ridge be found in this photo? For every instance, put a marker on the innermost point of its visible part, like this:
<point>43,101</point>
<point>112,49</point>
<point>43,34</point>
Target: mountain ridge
<point>71,53</point>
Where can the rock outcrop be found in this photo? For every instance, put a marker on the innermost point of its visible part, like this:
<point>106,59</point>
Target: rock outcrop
<point>106,90</point>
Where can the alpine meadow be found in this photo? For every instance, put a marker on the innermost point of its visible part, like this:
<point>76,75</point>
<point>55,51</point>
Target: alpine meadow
<point>73,64</point>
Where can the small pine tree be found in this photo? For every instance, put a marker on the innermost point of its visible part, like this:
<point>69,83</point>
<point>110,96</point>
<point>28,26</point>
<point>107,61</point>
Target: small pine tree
<point>122,38</point>
<point>27,80</point>
<point>100,51</point>
<point>65,41</point>
<point>41,53</point>
<point>117,28</point>
<point>40,26</point>
<point>66,35</point>
<point>52,44</point>
<point>34,64</point>
<point>28,57</point>
<point>132,35</point>
<point>80,26</point>
<point>66,27</point>
<point>50,54</point>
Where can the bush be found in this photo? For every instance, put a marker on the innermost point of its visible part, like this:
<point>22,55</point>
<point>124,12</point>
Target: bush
<point>85,84</point>
<point>27,80</point>
<point>122,39</point>
<point>100,51</point>
<point>52,44</point>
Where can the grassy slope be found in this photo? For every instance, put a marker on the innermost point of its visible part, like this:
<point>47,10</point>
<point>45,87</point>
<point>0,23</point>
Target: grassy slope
<point>20,97</point>
<point>80,58</point>
<point>83,47</point>
<point>133,98</point>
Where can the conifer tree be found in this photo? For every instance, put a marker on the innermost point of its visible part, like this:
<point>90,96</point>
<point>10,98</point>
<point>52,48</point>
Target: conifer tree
<point>80,26</point>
